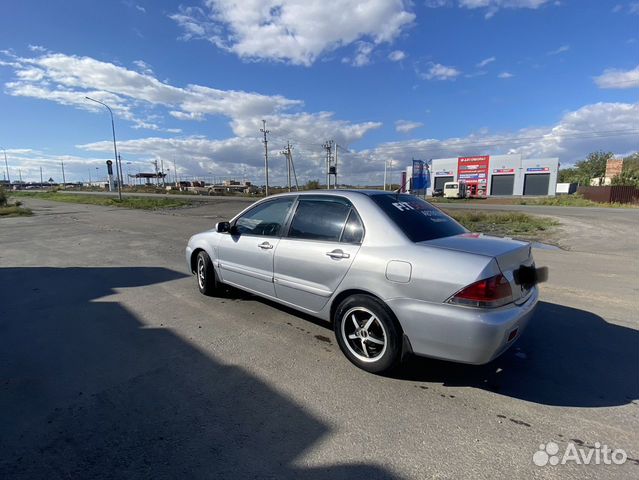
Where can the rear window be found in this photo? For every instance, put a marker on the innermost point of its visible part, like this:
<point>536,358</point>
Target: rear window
<point>419,220</point>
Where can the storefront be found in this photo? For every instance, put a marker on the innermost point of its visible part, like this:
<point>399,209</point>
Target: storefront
<point>497,175</point>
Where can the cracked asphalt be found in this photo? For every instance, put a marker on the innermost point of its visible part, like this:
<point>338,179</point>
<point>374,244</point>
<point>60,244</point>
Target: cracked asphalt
<point>112,365</point>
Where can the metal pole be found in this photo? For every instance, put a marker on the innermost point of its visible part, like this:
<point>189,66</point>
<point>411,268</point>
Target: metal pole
<point>335,177</point>
<point>288,163</point>
<point>385,163</point>
<point>41,182</point>
<point>115,148</point>
<point>265,132</point>
<point>6,166</point>
<point>64,180</point>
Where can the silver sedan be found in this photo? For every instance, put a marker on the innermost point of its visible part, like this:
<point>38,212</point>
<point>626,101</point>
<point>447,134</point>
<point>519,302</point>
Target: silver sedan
<point>391,272</point>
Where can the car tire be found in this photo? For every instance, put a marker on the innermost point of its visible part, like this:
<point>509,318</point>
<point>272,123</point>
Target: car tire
<point>205,276</point>
<point>368,333</point>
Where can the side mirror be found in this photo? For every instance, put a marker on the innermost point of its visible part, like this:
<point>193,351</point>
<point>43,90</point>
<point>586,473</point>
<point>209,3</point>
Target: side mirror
<point>222,227</point>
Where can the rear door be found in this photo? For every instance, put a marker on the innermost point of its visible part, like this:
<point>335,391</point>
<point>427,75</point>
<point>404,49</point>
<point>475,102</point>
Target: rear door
<point>245,257</point>
<point>324,236</point>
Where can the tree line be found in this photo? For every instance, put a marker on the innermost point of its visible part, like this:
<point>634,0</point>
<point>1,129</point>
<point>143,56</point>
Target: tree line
<point>594,166</point>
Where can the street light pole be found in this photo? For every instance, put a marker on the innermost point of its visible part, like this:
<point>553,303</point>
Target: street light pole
<point>118,166</point>
<point>6,166</point>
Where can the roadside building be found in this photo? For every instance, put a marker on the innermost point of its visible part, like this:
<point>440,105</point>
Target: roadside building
<point>496,175</point>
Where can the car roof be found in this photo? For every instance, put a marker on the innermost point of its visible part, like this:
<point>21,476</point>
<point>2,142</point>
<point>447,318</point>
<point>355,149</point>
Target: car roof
<point>345,192</point>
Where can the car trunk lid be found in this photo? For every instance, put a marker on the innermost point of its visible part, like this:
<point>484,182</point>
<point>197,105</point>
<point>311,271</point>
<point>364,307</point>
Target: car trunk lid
<point>510,255</point>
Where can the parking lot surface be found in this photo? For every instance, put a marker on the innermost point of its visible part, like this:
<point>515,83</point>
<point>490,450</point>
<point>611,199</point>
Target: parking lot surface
<point>112,365</point>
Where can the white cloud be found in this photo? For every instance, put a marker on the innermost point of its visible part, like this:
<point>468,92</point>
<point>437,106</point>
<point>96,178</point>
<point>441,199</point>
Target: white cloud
<point>560,50</point>
<point>633,8</point>
<point>143,100</point>
<point>491,6</point>
<point>143,67</point>
<point>485,62</point>
<point>396,56</point>
<point>37,48</point>
<point>601,126</point>
<point>67,79</point>
<point>295,31</point>
<point>505,75</point>
<point>407,126</point>
<point>363,54</point>
<point>437,71</point>
<point>613,78</point>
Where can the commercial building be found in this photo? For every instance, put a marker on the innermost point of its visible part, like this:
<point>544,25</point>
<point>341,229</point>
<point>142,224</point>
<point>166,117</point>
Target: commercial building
<point>496,175</point>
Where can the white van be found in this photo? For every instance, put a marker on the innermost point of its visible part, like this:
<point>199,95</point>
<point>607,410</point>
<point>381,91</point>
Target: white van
<point>454,190</point>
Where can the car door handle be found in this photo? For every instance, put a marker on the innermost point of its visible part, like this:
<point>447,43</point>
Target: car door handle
<point>338,254</point>
<point>265,246</point>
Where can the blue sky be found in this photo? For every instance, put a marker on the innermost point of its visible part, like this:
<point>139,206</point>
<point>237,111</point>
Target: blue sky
<point>388,80</point>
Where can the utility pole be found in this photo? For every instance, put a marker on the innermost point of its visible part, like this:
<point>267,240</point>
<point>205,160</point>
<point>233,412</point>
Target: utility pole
<point>265,132</point>
<point>64,180</point>
<point>89,176</point>
<point>6,166</point>
<point>41,182</point>
<point>289,162</point>
<point>162,171</point>
<point>328,146</point>
<point>20,174</point>
<point>175,172</point>
<point>335,174</point>
<point>385,163</point>
<point>155,164</point>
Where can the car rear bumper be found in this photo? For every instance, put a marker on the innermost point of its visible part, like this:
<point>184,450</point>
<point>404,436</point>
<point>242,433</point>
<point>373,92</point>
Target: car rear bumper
<point>462,334</point>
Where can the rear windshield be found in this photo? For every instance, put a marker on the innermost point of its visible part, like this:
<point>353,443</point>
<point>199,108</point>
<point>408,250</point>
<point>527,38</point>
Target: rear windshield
<point>419,220</point>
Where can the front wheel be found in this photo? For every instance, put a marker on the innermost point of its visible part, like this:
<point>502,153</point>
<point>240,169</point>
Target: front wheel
<point>368,334</point>
<point>207,281</point>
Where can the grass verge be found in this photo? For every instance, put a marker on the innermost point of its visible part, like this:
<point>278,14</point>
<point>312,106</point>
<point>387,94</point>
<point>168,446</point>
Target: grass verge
<point>574,200</point>
<point>142,203</point>
<point>13,211</point>
<point>507,224</point>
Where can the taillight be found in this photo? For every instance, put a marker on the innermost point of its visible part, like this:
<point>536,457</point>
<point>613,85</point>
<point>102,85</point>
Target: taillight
<point>489,293</point>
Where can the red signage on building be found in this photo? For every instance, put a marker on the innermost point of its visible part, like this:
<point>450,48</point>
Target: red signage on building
<point>474,172</point>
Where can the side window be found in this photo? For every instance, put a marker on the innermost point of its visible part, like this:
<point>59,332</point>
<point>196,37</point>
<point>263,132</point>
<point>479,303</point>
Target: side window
<point>319,220</point>
<point>266,219</point>
<point>354,230</point>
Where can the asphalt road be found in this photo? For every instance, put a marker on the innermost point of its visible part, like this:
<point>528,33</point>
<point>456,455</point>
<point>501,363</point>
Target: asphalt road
<point>112,365</point>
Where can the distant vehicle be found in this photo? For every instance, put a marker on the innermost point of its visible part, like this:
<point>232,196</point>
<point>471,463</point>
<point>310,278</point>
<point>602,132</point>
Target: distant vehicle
<point>438,192</point>
<point>391,272</point>
<point>454,190</point>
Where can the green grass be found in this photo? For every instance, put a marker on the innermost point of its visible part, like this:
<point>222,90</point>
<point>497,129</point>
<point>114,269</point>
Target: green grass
<point>14,211</point>
<point>142,203</point>
<point>507,224</point>
<point>575,200</point>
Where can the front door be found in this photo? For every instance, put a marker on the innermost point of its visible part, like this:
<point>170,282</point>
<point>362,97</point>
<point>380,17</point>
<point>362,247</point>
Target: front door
<point>313,258</point>
<point>245,256</point>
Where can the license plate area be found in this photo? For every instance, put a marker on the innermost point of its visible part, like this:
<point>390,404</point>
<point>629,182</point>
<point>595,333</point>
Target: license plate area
<point>529,276</point>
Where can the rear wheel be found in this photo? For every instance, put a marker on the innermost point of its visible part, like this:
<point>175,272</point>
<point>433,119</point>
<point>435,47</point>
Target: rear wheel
<point>207,281</point>
<point>368,334</point>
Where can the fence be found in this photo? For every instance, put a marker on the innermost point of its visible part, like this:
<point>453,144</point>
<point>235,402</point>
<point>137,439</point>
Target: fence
<point>611,194</point>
